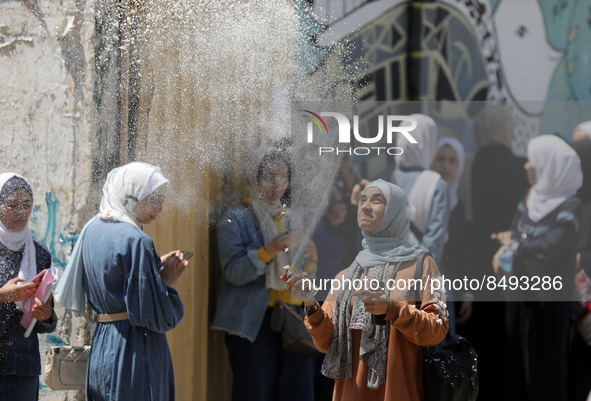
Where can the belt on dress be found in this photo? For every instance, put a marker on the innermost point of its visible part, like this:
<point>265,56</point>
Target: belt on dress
<point>112,317</point>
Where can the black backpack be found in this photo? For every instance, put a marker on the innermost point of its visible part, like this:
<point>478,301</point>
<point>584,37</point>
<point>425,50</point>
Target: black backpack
<point>449,369</point>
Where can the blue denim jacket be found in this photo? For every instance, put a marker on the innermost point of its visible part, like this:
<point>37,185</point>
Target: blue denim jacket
<point>243,296</point>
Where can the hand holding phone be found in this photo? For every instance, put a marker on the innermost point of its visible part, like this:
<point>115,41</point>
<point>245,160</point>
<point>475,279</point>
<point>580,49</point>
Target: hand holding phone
<point>173,265</point>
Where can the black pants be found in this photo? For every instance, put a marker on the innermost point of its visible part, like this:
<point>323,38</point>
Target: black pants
<point>263,371</point>
<point>537,363</point>
<point>21,388</point>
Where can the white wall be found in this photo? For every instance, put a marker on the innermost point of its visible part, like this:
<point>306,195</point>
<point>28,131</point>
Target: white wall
<point>45,120</point>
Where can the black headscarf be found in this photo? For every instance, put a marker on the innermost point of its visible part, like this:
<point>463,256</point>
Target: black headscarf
<point>583,149</point>
<point>11,185</point>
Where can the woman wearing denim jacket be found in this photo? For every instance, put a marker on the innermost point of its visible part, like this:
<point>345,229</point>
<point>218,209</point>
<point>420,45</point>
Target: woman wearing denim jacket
<point>252,238</point>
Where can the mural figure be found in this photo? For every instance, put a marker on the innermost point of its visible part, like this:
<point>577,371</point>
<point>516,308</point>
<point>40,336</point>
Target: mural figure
<point>528,60</point>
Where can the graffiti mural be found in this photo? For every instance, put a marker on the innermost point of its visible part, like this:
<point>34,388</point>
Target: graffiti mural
<point>527,77</point>
<point>533,55</point>
<point>47,56</point>
<point>307,55</point>
<point>52,237</point>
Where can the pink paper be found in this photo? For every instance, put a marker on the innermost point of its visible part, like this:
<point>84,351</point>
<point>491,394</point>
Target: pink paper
<point>43,292</point>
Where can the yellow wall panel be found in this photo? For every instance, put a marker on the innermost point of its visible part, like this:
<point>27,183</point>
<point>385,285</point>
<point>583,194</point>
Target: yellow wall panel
<point>192,105</point>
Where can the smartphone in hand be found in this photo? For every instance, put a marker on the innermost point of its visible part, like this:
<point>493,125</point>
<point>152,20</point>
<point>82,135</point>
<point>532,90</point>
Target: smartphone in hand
<point>186,255</point>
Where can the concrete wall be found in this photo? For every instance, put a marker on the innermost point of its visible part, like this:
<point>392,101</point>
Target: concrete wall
<point>46,118</point>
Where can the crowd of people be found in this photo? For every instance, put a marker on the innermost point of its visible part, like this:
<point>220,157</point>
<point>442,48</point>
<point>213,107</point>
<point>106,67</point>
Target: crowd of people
<point>456,213</point>
<point>115,268</point>
<point>465,211</point>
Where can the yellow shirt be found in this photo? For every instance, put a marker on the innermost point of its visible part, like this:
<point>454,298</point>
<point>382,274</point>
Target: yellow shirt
<point>284,295</point>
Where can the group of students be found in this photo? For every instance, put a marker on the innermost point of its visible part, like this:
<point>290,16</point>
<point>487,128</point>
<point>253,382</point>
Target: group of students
<point>115,268</point>
<point>416,209</point>
<point>525,340</point>
<point>369,362</point>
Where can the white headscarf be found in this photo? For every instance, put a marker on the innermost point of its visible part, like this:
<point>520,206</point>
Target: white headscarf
<point>265,211</point>
<point>585,127</point>
<point>558,172</point>
<point>125,187</point>
<point>418,154</point>
<point>453,186</point>
<point>15,240</point>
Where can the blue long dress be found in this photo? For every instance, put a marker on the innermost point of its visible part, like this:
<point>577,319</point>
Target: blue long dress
<point>130,359</point>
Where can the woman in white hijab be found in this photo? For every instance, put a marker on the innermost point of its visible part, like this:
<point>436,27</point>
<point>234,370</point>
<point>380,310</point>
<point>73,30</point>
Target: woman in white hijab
<point>252,242</point>
<point>21,259</point>
<point>425,188</point>
<point>371,361</point>
<point>449,163</point>
<point>582,132</point>
<point>544,233</point>
<point>114,265</point>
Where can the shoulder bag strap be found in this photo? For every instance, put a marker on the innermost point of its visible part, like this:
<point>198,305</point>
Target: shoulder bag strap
<point>418,277</point>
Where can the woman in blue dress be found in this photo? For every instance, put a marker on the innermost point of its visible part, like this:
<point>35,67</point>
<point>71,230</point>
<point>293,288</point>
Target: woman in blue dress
<point>21,259</point>
<point>131,288</point>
